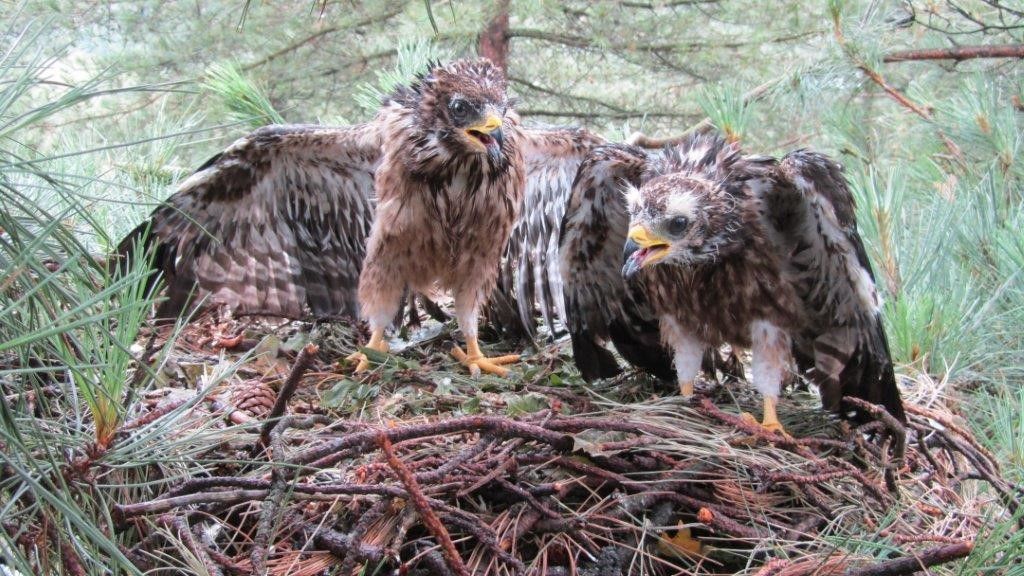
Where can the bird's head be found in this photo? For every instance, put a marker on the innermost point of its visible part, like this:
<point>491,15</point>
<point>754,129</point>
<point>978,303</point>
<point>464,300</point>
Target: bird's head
<point>463,105</point>
<point>681,219</point>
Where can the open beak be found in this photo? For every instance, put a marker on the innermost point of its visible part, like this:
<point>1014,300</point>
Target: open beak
<point>642,249</point>
<point>488,134</point>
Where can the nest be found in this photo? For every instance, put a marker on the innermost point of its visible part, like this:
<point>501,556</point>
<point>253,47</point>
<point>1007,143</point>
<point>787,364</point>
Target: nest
<point>415,469</point>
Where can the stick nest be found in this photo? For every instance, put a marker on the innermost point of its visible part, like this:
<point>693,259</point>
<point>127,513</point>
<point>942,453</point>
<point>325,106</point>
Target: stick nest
<point>413,468</point>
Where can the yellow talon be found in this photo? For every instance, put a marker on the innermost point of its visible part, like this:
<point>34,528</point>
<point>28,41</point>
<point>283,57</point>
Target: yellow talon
<point>477,362</point>
<point>770,422</point>
<point>376,342</point>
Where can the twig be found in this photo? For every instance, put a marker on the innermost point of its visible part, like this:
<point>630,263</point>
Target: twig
<point>302,363</point>
<point>897,431</point>
<point>486,478</point>
<point>271,505</point>
<point>153,415</point>
<point>709,408</point>
<point>454,462</point>
<point>331,452</point>
<point>333,541</point>
<point>185,534</point>
<point>433,524</point>
<point>916,562</point>
<point>874,75</point>
<point>328,492</point>
<point>484,535</point>
<point>348,565</point>
<point>958,53</point>
<point>952,426</point>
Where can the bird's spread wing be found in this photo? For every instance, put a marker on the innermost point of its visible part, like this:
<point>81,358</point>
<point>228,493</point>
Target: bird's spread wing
<point>530,278</point>
<point>810,212</point>
<point>275,225</point>
<point>600,305</point>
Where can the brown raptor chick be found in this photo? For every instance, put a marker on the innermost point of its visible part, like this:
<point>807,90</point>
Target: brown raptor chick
<point>765,255</point>
<point>449,188</point>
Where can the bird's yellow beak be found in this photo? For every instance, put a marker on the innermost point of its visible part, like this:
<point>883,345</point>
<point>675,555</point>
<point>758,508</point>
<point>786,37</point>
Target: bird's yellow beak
<point>642,249</point>
<point>488,135</point>
<point>490,124</point>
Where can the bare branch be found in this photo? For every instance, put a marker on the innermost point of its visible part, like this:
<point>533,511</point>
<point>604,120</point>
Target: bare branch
<point>958,53</point>
<point>916,562</point>
<point>608,115</point>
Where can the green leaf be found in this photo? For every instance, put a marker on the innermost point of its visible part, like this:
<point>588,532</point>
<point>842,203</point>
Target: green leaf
<point>526,404</point>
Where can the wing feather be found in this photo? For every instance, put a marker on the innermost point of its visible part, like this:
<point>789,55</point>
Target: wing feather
<point>600,305</point>
<point>843,345</point>
<point>276,224</point>
<point>530,277</point>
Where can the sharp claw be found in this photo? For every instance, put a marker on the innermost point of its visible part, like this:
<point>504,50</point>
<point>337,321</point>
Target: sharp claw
<point>362,362</point>
<point>772,427</point>
<point>360,359</point>
<point>478,364</point>
<point>749,418</point>
<point>506,359</point>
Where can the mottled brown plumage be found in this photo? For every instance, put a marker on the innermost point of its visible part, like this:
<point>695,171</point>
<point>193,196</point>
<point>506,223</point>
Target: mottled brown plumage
<point>726,248</point>
<point>278,223</point>
<point>449,188</point>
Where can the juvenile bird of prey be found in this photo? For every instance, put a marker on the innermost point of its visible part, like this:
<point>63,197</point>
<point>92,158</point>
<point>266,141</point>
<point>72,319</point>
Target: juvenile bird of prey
<point>278,224</point>
<point>726,248</point>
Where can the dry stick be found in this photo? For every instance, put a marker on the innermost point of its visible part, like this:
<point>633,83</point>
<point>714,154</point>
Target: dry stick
<point>333,541</point>
<point>122,512</point>
<point>205,484</point>
<point>454,462</point>
<point>709,408</point>
<point>485,535</point>
<point>302,363</point>
<point>199,550</point>
<point>278,484</point>
<point>1000,485</point>
<point>897,431</point>
<point>358,532</point>
<point>958,53</point>
<point>486,478</point>
<point>938,471</point>
<point>153,415</point>
<point>333,451</point>
<point>917,562</point>
<point>433,524</point>
<point>948,422</point>
<point>521,492</point>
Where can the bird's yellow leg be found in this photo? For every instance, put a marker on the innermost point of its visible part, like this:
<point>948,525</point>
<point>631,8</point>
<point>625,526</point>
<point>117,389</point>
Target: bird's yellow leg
<point>686,389</point>
<point>477,362</point>
<point>376,342</point>
<point>770,422</point>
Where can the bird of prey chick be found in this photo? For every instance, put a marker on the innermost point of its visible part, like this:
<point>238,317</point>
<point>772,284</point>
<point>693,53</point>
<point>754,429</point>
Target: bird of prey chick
<point>449,188</point>
<point>724,248</point>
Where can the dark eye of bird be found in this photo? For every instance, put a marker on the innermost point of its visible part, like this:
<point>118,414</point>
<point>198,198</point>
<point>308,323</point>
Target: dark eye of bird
<point>677,225</point>
<point>459,108</point>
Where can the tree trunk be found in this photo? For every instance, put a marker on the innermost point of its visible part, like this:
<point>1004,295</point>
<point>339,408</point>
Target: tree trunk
<point>493,42</point>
